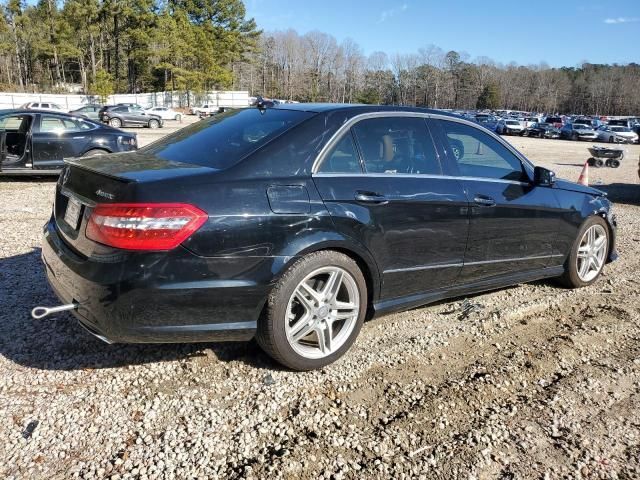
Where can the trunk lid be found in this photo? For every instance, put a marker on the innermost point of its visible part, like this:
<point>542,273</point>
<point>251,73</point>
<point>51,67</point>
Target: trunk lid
<point>115,178</point>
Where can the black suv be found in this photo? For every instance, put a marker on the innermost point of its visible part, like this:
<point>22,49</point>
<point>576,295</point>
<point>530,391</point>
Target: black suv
<point>129,115</point>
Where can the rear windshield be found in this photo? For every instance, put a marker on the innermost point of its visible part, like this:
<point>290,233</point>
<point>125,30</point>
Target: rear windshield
<point>227,138</point>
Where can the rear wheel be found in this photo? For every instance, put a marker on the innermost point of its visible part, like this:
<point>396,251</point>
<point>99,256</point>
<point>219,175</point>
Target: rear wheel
<point>94,151</point>
<point>611,139</point>
<point>588,254</point>
<point>598,163</point>
<point>115,122</point>
<point>614,163</point>
<point>314,312</point>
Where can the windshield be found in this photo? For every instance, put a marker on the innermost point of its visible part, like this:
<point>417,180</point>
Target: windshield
<point>580,126</point>
<point>620,129</point>
<point>512,122</point>
<point>222,141</point>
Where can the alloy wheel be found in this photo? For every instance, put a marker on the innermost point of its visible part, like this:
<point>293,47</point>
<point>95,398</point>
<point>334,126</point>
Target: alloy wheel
<point>322,312</point>
<point>591,253</point>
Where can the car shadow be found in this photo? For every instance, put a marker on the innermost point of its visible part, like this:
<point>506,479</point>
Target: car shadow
<point>628,193</point>
<point>60,343</point>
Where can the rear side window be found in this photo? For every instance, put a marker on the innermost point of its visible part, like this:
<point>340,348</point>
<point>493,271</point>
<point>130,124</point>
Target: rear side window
<point>397,145</point>
<point>342,158</point>
<point>227,138</point>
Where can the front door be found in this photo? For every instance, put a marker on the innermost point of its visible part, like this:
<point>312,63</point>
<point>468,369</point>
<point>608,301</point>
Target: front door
<point>383,185</point>
<point>512,221</point>
<point>16,152</point>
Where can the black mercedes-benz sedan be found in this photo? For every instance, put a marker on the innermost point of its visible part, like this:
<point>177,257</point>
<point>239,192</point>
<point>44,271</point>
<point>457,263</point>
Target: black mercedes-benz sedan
<point>36,142</point>
<point>295,223</point>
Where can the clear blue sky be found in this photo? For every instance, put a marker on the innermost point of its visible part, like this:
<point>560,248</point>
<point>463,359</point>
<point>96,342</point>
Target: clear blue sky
<point>559,32</point>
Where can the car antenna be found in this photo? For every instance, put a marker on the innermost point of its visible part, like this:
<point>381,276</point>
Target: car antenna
<point>260,103</point>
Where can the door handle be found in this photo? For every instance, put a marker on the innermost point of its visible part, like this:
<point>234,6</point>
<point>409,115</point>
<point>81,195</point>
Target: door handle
<point>370,197</point>
<point>484,201</point>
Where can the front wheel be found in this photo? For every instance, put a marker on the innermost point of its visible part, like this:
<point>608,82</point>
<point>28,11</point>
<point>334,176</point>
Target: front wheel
<point>115,122</point>
<point>588,254</point>
<point>154,123</point>
<point>314,312</point>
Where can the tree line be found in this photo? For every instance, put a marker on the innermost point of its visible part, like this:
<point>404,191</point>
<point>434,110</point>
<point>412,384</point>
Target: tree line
<point>131,46</point>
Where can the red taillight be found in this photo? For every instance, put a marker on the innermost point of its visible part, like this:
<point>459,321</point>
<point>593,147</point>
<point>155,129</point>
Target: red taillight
<point>144,226</point>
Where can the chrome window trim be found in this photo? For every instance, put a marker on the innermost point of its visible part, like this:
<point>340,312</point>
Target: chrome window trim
<point>364,116</point>
<point>420,175</point>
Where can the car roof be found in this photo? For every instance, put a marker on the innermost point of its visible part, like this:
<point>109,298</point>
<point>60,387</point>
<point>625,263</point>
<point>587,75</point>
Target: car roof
<point>356,109</point>
<point>32,110</point>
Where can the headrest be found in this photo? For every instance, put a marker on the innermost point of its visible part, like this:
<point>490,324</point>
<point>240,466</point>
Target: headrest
<point>387,153</point>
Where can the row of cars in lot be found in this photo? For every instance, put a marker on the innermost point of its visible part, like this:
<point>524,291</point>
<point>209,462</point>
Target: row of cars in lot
<point>118,115</point>
<point>568,128</point>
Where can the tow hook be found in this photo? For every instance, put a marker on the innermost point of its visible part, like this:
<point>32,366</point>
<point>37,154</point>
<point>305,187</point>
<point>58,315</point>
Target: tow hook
<point>41,312</point>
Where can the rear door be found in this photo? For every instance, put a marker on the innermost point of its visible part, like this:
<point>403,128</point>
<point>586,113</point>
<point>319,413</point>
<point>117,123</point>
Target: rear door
<point>383,185</point>
<point>512,222</point>
<point>56,138</point>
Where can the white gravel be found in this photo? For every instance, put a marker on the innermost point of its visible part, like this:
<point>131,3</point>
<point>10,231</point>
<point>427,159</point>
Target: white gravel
<point>540,383</point>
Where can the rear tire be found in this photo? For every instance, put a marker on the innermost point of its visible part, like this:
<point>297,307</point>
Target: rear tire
<point>614,163</point>
<point>115,122</point>
<point>598,163</point>
<point>93,152</point>
<point>593,250</point>
<point>300,314</point>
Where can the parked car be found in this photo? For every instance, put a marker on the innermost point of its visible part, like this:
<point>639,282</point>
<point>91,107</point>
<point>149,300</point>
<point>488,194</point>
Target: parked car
<point>128,116</point>
<point>270,222</point>
<point>616,134</point>
<point>206,108</point>
<point>621,122</point>
<point>165,113</point>
<point>557,122</point>
<point>54,107</point>
<point>542,130</point>
<point>573,131</point>
<point>509,127</point>
<point>88,111</point>
<point>529,121</point>
<point>36,142</point>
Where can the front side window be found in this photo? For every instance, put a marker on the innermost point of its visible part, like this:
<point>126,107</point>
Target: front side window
<point>397,145</point>
<point>15,123</point>
<point>342,158</point>
<point>478,154</point>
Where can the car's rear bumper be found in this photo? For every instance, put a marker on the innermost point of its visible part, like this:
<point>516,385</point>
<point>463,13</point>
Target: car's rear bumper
<point>159,298</point>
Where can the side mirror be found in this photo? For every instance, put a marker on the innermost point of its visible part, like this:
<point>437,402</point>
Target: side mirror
<point>543,177</point>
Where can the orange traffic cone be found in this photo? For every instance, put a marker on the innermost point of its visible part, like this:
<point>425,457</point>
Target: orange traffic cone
<point>583,179</point>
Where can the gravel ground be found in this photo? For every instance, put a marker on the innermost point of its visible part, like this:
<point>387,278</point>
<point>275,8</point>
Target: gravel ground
<point>538,382</point>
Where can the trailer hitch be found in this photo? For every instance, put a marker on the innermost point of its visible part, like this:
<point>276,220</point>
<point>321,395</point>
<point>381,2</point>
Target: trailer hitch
<point>40,312</point>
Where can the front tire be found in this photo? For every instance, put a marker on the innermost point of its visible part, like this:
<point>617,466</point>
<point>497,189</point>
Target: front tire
<point>588,254</point>
<point>115,122</point>
<point>154,124</point>
<point>315,311</point>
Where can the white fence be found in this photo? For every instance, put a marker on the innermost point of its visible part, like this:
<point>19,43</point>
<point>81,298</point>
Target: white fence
<point>235,99</point>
